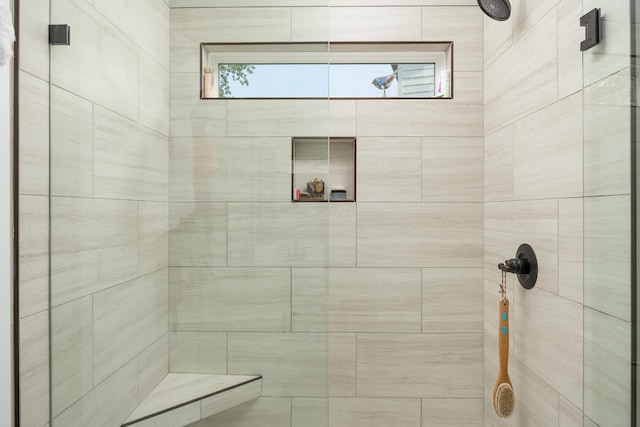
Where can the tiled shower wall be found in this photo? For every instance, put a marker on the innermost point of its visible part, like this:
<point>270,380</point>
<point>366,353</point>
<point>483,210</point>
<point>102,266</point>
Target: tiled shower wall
<point>541,180</point>
<point>109,205</point>
<point>366,313</point>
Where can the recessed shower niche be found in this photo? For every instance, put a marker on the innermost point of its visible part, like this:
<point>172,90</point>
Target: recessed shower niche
<point>323,169</point>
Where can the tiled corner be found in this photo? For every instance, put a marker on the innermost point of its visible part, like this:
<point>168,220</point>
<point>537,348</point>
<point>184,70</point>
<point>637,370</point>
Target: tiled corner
<point>197,234</point>
<point>153,365</point>
<point>198,352</point>
<point>153,236</point>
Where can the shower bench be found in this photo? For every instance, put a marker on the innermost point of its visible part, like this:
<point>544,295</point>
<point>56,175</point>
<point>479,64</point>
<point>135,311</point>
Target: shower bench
<point>182,399</point>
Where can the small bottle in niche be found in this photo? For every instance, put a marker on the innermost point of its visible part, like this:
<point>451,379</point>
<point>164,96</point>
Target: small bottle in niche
<point>207,84</point>
<point>444,87</point>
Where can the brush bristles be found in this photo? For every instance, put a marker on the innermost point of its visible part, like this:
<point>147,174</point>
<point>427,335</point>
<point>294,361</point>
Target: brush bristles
<point>505,400</point>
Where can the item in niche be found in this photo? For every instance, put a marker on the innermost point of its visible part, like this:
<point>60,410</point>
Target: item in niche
<point>338,193</point>
<point>315,187</point>
<point>207,84</point>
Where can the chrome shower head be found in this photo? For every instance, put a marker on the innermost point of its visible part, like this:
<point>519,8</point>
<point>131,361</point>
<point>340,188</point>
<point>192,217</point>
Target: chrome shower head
<point>500,10</point>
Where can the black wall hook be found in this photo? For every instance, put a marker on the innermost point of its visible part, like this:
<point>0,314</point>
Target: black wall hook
<point>525,265</point>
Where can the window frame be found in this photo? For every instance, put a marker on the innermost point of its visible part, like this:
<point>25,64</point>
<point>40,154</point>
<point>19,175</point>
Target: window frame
<point>438,52</point>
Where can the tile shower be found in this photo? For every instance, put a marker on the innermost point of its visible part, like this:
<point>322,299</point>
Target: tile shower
<point>175,246</point>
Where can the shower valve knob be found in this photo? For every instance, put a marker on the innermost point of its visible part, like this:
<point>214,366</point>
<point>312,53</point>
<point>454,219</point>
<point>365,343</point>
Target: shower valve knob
<point>525,266</point>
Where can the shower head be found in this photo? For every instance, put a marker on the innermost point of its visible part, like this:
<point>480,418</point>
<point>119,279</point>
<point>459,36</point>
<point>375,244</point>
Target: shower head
<point>500,10</point>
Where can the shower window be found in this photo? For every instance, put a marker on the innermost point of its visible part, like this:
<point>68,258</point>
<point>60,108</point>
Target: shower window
<point>321,70</point>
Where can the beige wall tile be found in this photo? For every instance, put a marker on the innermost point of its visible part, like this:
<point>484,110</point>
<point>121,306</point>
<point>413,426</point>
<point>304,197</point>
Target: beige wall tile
<point>146,22</point>
<point>34,37</point>
<point>231,169</point>
<point>107,75</point>
<point>571,249</point>
<point>154,91</point>
<point>34,135</point>
<point>296,364</point>
<point>498,37</point>
<point>71,144</point>
<point>190,27</point>
<point>93,246</point>
<point>452,169</point>
<point>526,14</point>
<point>419,117</point>
<point>420,365</point>
<point>309,23</point>
<point>607,383</point>
<point>548,152</point>
<point>372,24</point>
<point>612,54</point>
<point>536,403</point>
<point>198,352</point>
<point>356,300</point>
<point>374,412</point>
<point>419,235</point>
<point>110,402</point>
<point>153,366</point>
<point>72,352</point>
<point>265,411</point>
<point>288,118</point>
<point>310,412</point>
<point>243,299</point>
<point>342,234</point>
<point>191,116</point>
<point>130,161</point>
<point>182,416</point>
<point>607,242</point>
<point>34,369</point>
<point>498,165</point>
<point>607,168</point>
<point>569,57</point>
<point>452,300</point>
<point>589,423</point>
<point>452,412</point>
<point>278,235</point>
<point>570,416</point>
<point>389,169</point>
<point>517,84</point>
<point>509,224</point>
<point>153,236</point>
<point>462,25</point>
<point>468,87</point>
<point>548,346</point>
<point>127,319</point>
<point>198,234</point>
<point>34,254</point>
<point>230,399</point>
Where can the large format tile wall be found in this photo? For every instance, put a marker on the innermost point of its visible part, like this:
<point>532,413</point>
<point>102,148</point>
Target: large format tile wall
<point>546,187</point>
<point>366,313</point>
<point>109,160</point>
